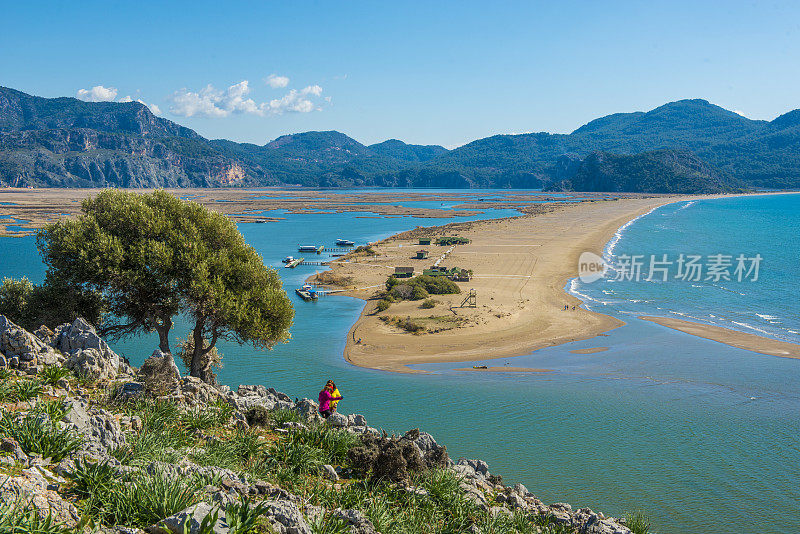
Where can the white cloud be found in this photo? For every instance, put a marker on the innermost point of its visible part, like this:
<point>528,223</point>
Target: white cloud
<point>98,93</point>
<point>211,102</point>
<point>277,82</point>
<point>153,107</point>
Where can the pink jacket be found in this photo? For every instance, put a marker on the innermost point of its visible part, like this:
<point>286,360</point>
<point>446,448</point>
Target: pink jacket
<point>325,399</point>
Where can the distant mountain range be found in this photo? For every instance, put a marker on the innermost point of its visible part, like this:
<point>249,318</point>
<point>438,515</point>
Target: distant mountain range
<point>686,146</point>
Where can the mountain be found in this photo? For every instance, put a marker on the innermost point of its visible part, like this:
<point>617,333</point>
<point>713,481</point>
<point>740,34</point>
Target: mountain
<point>396,149</point>
<point>64,142</point>
<point>660,171</point>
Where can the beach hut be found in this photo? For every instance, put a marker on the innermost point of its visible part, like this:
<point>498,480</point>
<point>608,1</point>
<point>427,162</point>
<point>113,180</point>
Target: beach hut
<point>422,254</point>
<point>424,240</point>
<point>403,272</point>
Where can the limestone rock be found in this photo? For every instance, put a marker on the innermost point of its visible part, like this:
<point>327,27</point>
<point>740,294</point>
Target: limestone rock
<point>286,518</point>
<point>194,515</point>
<point>15,342</point>
<point>100,430</point>
<point>32,485</point>
<point>80,335</point>
<point>92,364</point>
<point>338,420</point>
<point>359,524</point>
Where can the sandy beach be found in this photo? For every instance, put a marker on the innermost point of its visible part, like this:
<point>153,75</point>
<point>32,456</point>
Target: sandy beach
<point>734,338</point>
<point>520,267</point>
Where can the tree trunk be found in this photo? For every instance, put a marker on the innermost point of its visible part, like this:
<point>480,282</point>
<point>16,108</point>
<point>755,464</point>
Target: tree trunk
<point>197,355</point>
<point>163,334</point>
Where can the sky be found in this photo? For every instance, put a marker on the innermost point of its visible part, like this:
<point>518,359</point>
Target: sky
<point>424,72</point>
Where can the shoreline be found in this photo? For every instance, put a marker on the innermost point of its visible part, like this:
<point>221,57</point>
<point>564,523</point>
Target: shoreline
<point>730,337</point>
<point>372,344</point>
<point>533,258</point>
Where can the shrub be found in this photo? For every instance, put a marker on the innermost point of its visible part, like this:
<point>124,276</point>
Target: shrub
<point>14,295</point>
<point>406,323</point>
<point>53,373</point>
<point>383,305</point>
<point>419,293</point>
<point>23,390</point>
<point>54,409</point>
<point>37,434</point>
<point>428,304</point>
<point>242,517</point>
<point>638,522</point>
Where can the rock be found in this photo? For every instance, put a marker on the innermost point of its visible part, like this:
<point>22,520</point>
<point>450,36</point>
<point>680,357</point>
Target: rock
<point>359,524</point>
<point>286,518</point>
<point>329,472</point>
<point>308,410</point>
<point>130,390</point>
<point>11,446</point>
<point>520,489</point>
<point>3,362</point>
<point>160,374</point>
<point>91,363</point>
<point>13,362</point>
<point>100,430</point>
<point>194,515</point>
<point>32,486</point>
<point>338,420</point>
<point>199,393</point>
<point>81,336</point>
<point>358,420</point>
<point>588,522</point>
<point>44,334</point>
<point>15,342</point>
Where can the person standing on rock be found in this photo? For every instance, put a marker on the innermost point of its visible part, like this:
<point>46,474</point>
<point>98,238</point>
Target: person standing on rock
<point>325,398</point>
<point>335,393</point>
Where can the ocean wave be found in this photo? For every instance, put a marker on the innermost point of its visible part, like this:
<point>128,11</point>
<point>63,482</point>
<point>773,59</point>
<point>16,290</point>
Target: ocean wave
<point>767,317</point>
<point>690,203</point>
<point>608,253</point>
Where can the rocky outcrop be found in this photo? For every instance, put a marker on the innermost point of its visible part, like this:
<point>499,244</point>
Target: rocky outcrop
<point>28,349</point>
<point>160,374</point>
<point>87,354</point>
<point>35,487</point>
<point>100,430</point>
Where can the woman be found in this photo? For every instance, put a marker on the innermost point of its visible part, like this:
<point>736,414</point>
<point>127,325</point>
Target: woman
<point>325,398</point>
<point>334,393</point>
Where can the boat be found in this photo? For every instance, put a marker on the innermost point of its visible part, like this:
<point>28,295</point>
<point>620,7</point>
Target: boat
<point>287,259</point>
<point>311,248</point>
<point>294,263</point>
<point>345,243</point>
<point>307,292</point>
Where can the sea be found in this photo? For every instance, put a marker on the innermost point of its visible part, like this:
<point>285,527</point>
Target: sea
<point>701,436</point>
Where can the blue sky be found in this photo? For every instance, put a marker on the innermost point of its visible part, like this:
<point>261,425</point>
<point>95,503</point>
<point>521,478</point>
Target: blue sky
<point>424,72</point>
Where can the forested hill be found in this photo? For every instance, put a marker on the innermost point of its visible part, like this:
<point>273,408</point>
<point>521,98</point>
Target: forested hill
<point>65,142</point>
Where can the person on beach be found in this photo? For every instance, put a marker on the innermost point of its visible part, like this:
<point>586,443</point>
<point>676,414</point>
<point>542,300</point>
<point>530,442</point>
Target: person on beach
<point>325,398</point>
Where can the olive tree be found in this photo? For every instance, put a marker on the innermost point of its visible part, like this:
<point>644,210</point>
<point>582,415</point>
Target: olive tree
<point>152,256</point>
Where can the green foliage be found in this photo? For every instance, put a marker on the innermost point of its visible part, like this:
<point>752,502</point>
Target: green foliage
<point>54,409</point>
<point>296,454</point>
<point>638,522</point>
<point>20,516</point>
<point>420,287</point>
<point>406,323</point>
<point>53,373</point>
<point>51,303</point>
<point>327,523</point>
<point>242,517</point>
<point>153,255</point>
<point>214,415</point>
<point>139,499</point>
<point>428,304</point>
<point>36,433</point>
<point>20,390</point>
<point>383,305</point>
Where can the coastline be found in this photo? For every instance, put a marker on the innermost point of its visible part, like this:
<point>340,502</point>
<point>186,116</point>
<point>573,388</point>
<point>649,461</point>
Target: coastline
<point>521,267</point>
<point>537,318</point>
<point>733,338</point>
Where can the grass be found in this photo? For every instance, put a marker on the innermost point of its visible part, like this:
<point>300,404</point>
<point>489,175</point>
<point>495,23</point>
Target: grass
<point>39,435</point>
<point>20,390</point>
<point>243,517</point>
<point>638,522</point>
<point>139,499</point>
<point>53,373</point>
<point>20,516</point>
<point>405,323</point>
<point>54,409</point>
<point>327,523</point>
<point>216,414</point>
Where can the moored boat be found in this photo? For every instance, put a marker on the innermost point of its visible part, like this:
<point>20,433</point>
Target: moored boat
<point>345,243</point>
<point>307,292</point>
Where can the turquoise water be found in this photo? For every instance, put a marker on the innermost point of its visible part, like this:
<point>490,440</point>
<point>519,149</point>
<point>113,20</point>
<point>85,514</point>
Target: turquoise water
<point>700,435</point>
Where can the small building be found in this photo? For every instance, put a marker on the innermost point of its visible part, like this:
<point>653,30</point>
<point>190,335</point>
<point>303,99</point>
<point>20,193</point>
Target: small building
<point>422,254</point>
<point>403,272</point>
<point>424,240</point>
<point>461,275</point>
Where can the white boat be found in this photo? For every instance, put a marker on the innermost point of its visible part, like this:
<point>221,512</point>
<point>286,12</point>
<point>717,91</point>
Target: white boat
<point>287,259</point>
<point>345,243</point>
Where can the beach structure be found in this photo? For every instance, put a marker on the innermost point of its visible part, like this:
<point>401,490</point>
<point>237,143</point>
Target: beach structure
<point>311,248</point>
<point>422,254</point>
<point>454,273</point>
<point>471,301</point>
<point>307,292</point>
<point>403,272</point>
<point>424,241</point>
<point>452,240</point>
<point>294,262</point>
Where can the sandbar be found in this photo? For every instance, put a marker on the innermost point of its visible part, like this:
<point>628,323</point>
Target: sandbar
<point>593,350</point>
<point>521,266</point>
<point>505,370</point>
<point>734,338</point>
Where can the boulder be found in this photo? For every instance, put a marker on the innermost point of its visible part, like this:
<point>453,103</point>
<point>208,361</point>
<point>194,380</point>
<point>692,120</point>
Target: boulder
<point>33,487</point>
<point>80,335</point>
<point>338,420</point>
<point>329,472</point>
<point>248,396</point>
<point>160,374</point>
<point>588,522</point>
<point>194,515</point>
<point>286,518</point>
<point>15,342</point>
<point>100,430</point>
<point>44,334</point>
<point>359,524</point>
<point>91,363</point>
